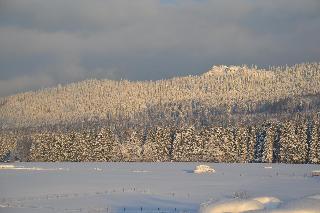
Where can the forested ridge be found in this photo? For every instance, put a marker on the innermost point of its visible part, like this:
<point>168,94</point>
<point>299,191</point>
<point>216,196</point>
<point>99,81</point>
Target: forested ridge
<point>228,114</point>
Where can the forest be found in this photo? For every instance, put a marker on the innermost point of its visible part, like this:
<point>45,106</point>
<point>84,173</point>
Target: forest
<point>227,114</point>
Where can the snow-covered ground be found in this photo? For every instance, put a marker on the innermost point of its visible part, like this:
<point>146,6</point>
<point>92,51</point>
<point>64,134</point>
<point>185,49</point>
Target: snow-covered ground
<point>157,187</point>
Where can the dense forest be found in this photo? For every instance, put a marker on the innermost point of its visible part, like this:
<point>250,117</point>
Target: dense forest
<point>228,114</point>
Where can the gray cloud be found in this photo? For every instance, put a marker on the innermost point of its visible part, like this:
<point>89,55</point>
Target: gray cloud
<point>43,43</point>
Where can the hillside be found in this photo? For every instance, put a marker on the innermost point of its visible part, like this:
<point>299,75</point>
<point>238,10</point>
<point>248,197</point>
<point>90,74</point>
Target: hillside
<point>234,89</point>
<point>130,112</point>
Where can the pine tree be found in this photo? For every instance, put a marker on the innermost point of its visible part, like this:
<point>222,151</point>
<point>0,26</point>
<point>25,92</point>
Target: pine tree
<point>315,143</point>
<point>285,140</point>
<point>251,143</point>
<point>260,143</point>
<point>242,139</point>
<point>293,142</point>
<point>107,149</point>
<point>228,146</point>
<point>149,153</point>
<point>211,142</point>
<point>276,145</point>
<point>300,154</point>
<point>186,145</point>
<point>269,143</point>
<point>132,148</point>
<point>157,146</point>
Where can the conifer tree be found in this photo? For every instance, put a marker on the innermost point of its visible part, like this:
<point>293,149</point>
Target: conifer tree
<point>269,143</point>
<point>300,154</point>
<point>228,146</point>
<point>251,143</point>
<point>132,148</point>
<point>157,146</point>
<point>212,141</point>
<point>241,140</point>
<point>260,143</point>
<point>186,145</point>
<point>315,143</point>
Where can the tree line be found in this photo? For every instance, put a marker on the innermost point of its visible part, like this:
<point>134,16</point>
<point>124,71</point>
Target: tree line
<point>291,141</point>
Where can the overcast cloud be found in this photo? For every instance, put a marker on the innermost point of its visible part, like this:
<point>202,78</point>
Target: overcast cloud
<point>44,43</point>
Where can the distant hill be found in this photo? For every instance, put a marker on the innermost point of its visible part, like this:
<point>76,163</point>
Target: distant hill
<point>226,97</point>
<point>222,89</point>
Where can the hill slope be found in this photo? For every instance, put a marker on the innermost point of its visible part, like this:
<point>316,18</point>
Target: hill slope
<point>223,103</point>
<point>234,89</point>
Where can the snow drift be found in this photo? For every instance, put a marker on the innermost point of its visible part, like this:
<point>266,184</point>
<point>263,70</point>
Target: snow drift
<point>203,169</point>
<point>310,204</point>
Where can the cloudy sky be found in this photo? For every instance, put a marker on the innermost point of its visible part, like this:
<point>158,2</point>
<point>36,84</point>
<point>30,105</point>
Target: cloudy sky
<point>44,43</point>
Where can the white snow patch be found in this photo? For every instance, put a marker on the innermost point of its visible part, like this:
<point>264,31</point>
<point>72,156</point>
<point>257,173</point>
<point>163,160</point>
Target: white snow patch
<point>317,197</point>
<point>140,171</point>
<point>97,169</point>
<point>308,204</point>
<point>236,206</point>
<point>13,167</point>
<point>268,202</point>
<point>203,169</point>
<point>6,166</point>
<point>315,173</point>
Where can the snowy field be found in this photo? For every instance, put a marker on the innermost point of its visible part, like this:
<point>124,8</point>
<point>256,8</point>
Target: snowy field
<point>157,187</point>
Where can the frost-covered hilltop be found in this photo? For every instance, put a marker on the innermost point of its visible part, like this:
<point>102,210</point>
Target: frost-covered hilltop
<point>228,114</point>
<point>223,89</point>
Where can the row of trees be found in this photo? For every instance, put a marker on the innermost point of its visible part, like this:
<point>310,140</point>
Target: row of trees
<point>293,141</point>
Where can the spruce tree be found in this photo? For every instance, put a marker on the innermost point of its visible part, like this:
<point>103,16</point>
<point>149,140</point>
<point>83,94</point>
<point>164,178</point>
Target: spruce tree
<point>269,142</point>
<point>315,143</point>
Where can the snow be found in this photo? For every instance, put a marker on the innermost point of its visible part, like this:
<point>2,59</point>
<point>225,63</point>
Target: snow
<point>268,202</point>
<point>315,173</point>
<point>234,206</point>
<point>157,187</point>
<point>306,205</point>
<point>13,167</point>
<point>242,205</point>
<point>203,169</point>
<point>6,166</point>
<point>310,204</point>
<point>140,171</point>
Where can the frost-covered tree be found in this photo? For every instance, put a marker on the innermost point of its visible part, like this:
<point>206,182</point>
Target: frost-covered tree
<point>8,143</point>
<point>229,146</point>
<point>260,144</point>
<point>131,150</point>
<point>251,143</point>
<point>242,140</point>
<point>268,151</point>
<point>293,142</point>
<point>315,143</point>
<point>158,145</point>
<point>300,154</point>
<point>186,145</point>
<point>212,142</point>
<point>107,148</point>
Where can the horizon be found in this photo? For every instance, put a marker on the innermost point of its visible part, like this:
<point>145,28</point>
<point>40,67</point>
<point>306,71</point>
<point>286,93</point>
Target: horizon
<point>65,84</point>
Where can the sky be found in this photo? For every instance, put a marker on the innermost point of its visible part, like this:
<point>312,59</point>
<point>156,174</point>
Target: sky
<point>44,43</point>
